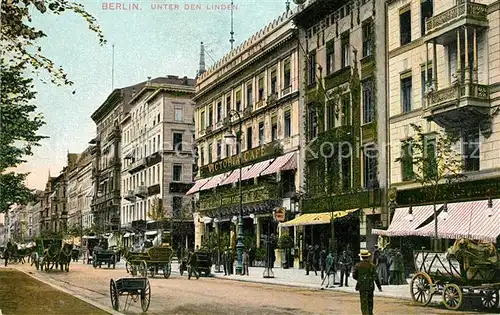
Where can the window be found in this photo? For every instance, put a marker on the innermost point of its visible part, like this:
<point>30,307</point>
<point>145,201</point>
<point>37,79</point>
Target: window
<point>311,69</point>
<point>330,57</point>
<point>158,118</point>
<point>177,172</point>
<point>346,110</point>
<point>426,11</point>
<point>407,162</point>
<point>345,164</point>
<point>288,124</point>
<point>219,150</point>
<point>406,93</point>
<point>471,151</point>
<point>368,106</point>
<point>249,94</point>
<point>287,79</point>
<point>219,111</point>
<point>260,86</point>
<point>370,166</point>
<point>345,51</point>
<point>261,133</point>
<point>405,26</point>
<point>249,138</point>
<point>228,150</point>
<point>177,141</point>
<point>430,167</point>
<point>210,152</point>
<point>426,80</point>
<point>178,114</point>
<point>367,39</point>
<point>202,156</point>
<point>330,112</point>
<point>312,121</point>
<point>228,104</point>
<point>238,101</point>
<point>202,120</point>
<point>176,206</point>
<point>210,116</point>
<point>273,82</point>
<point>274,128</point>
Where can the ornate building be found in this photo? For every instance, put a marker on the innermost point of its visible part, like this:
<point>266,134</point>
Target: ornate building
<point>54,214</point>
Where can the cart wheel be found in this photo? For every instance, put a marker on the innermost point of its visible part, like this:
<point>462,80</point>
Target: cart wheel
<point>145,297</point>
<point>143,269</point>
<point>421,288</point>
<point>133,270</point>
<point>94,263</point>
<point>167,270</point>
<point>127,267</point>
<point>113,292</point>
<point>489,299</point>
<point>452,296</point>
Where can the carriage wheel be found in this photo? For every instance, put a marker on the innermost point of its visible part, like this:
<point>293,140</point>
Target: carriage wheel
<point>128,267</point>
<point>94,263</point>
<point>143,269</point>
<point>167,270</point>
<point>113,293</point>
<point>489,299</point>
<point>146,297</point>
<point>421,288</point>
<point>452,296</point>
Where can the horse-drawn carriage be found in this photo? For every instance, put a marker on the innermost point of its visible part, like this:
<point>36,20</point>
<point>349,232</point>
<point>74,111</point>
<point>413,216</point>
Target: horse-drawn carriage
<point>469,270</point>
<point>201,260</point>
<point>53,252</point>
<point>152,260</point>
<point>100,256</point>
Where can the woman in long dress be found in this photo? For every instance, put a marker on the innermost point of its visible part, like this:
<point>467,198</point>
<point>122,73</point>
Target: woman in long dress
<point>382,268</point>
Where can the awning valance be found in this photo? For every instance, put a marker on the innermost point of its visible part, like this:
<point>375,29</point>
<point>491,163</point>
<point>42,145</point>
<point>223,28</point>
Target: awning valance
<point>197,185</point>
<point>235,175</point>
<point>470,220</point>
<point>256,169</point>
<point>317,218</point>
<point>282,163</point>
<point>402,226</point>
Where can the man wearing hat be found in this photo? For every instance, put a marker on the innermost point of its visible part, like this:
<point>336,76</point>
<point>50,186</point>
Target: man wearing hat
<point>365,273</point>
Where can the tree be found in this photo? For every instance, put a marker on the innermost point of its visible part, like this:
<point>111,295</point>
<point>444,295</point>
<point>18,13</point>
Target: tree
<point>22,56</point>
<point>433,161</point>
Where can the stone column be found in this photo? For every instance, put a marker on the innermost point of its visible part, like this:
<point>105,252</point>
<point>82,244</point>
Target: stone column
<point>257,232</point>
<point>458,56</point>
<point>466,44</point>
<point>474,51</point>
<point>434,65</point>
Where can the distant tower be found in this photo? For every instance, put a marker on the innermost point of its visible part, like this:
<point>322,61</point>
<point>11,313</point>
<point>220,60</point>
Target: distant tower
<point>202,60</point>
<point>231,40</point>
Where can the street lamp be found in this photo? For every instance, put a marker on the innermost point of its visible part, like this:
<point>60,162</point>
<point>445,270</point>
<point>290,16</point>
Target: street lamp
<point>490,212</point>
<point>410,216</point>
<point>230,139</point>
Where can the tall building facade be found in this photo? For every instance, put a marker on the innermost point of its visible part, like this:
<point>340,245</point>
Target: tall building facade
<point>342,53</point>
<point>54,213</point>
<point>444,76</point>
<point>252,93</point>
<point>84,190</point>
<point>157,138</point>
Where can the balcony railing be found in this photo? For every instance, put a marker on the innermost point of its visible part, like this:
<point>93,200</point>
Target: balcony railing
<point>137,166</point>
<point>465,9</point>
<point>130,196</point>
<point>141,191</point>
<point>457,92</point>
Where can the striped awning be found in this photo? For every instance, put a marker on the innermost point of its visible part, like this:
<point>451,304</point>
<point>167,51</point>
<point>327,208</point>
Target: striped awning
<point>282,163</point>
<point>469,220</point>
<point>215,181</point>
<point>401,226</point>
<point>317,218</point>
<point>197,185</point>
<point>235,175</point>
<point>256,169</point>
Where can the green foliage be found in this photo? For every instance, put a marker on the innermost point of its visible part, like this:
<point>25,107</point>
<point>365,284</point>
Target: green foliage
<point>260,254</point>
<point>285,241</point>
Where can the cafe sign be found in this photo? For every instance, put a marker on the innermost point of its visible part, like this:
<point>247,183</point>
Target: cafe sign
<point>265,151</point>
<point>279,214</point>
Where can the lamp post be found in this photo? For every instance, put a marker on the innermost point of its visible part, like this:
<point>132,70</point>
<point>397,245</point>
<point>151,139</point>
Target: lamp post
<point>230,139</point>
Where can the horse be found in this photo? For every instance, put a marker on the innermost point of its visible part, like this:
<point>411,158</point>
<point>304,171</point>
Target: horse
<point>64,258</point>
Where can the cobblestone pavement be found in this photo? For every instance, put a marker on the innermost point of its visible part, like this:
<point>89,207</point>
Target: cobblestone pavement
<point>177,295</point>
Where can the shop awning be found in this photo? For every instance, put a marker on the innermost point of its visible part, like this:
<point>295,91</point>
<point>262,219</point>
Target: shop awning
<point>197,185</point>
<point>317,218</point>
<point>257,169</point>
<point>235,175</point>
<point>215,181</point>
<point>402,226</point>
<point>469,220</point>
<point>282,163</point>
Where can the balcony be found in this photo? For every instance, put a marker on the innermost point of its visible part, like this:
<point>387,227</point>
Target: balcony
<point>442,25</point>
<point>141,191</point>
<point>154,189</point>
<point>130,196</point>
<point>114,134</point>
<point>458,104</point>
<point>153,159</point>
<point>272,98</point>
<point>137,166</point>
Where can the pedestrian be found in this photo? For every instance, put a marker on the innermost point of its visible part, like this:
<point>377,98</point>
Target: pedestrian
<point>192,265</point>
<point>382,268</point>
<point>6,252</point>
<point>365,273</point>
<point>345,264</point>
<point>310,261</point>
<point>322,262</point>
<point>225,258</point>
<point>245,261</point>
<point>330,270</point>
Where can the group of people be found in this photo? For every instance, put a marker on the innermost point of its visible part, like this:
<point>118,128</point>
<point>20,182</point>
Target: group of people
<point>390,266</point>
<point>330,264</point>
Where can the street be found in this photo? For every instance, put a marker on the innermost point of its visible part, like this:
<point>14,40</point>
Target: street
<point>178,295</point>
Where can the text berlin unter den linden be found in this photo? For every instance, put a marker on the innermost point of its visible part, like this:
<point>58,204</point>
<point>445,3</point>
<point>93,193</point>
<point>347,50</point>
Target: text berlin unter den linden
<point>165,6</point>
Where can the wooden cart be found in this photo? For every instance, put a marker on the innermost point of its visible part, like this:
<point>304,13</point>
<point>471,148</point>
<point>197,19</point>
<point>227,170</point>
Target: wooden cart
<point>442,273</point>
<point>154,259</point>
<point>134,289</point>
<point>101,256</point>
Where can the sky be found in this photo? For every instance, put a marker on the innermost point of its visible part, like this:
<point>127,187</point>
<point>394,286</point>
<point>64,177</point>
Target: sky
<point>147,43</point>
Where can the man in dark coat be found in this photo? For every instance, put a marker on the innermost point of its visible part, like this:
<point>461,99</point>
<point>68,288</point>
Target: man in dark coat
<point>345,264</point>
<point>322,262</point>
<point>310,261</point>
<point>225,258</point>
<point>365,273</point>
<point>6,253</point>
<point>192,265</point>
